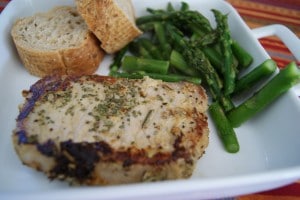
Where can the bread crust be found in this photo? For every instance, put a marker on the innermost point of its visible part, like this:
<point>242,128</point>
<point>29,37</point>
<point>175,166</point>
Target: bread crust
<point>109,23</point>
<point>83,59</point>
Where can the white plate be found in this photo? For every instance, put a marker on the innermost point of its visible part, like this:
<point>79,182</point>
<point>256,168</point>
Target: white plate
<point>270,143</point>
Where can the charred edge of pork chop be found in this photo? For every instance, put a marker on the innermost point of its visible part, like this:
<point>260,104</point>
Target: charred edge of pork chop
<point>77,161</point>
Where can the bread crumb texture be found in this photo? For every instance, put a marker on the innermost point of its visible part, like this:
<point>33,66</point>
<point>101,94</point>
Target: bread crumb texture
<point>60,28</point>
<point>47,43</point>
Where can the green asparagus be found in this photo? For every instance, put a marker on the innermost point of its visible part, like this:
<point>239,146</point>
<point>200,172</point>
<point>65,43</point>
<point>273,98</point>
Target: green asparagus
<point>196,59</point>
<point>163,43</point>
<point>134,64</point>
<point>151,48</point>
<point>176,36</point>
<point>226,103</point>
<point>283,81</point>
<point>177,61</point>
<point>116,64</point>
<point>225,41</point>
<point>184,6</point>
<point>164,77</point>
<point>224,128</point>
<point>170,7</point>
<point>243,57</point>
<point>264,70</point>
<point>139,51</point>
<point>214,57</point>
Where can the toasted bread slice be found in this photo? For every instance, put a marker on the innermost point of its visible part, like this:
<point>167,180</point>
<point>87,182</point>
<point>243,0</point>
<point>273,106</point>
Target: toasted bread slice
<point>57,42</point>
<point>99,130</point>
<point>112,21</point>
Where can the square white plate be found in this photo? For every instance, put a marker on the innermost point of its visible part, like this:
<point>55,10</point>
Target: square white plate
<point>270,143</point>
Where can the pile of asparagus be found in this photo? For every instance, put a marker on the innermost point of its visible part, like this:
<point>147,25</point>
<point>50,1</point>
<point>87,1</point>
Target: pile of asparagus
<point>181,45</point>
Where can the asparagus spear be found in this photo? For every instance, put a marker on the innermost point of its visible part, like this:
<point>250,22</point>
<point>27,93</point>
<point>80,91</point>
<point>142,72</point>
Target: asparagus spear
<point>243,57</point>
<point>133,64</point>
<point>150,47</point>
<point>161,36</point>
<point>155,11</point>
<point>196,59</point>
<point>225,41</point>
<point>184,6</point>
<point>170,7</point>
<point>264,70</point>
<point>139,51</point>
<point>178,62</point>
<point>147,27</point>
<point>164,77</point>
<point>226,103</point>
<point>176,36</point>
<point>224,128</point>
<point>116,64</point>
<point>214,57</point>
<point>284,80</point>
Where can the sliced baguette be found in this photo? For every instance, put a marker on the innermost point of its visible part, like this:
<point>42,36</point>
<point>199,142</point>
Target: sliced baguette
<point>57,42</point>
<point>112,21</point>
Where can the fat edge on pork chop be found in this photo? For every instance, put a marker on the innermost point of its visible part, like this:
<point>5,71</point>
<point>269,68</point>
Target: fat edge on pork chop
<point>99,130</point>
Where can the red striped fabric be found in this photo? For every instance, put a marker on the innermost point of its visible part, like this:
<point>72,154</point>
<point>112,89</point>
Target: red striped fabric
<point>278,51</point>
<point>290,4</point>
<point>279,18</point>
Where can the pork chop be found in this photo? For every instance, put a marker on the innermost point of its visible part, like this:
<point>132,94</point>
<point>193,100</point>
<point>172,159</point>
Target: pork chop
<point>99,130</point>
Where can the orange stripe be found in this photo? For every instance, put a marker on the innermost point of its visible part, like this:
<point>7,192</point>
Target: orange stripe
<point>269,17</point>
<point>281,56</point>
<point>253,22</point>
<point>275,46</point>
<point>262,7</point>
<point>275,41</point>
<point>270,12</point>
<point>281,61</point>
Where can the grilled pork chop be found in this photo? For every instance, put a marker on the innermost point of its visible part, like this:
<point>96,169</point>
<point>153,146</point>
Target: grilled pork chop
<point>99,130</point>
